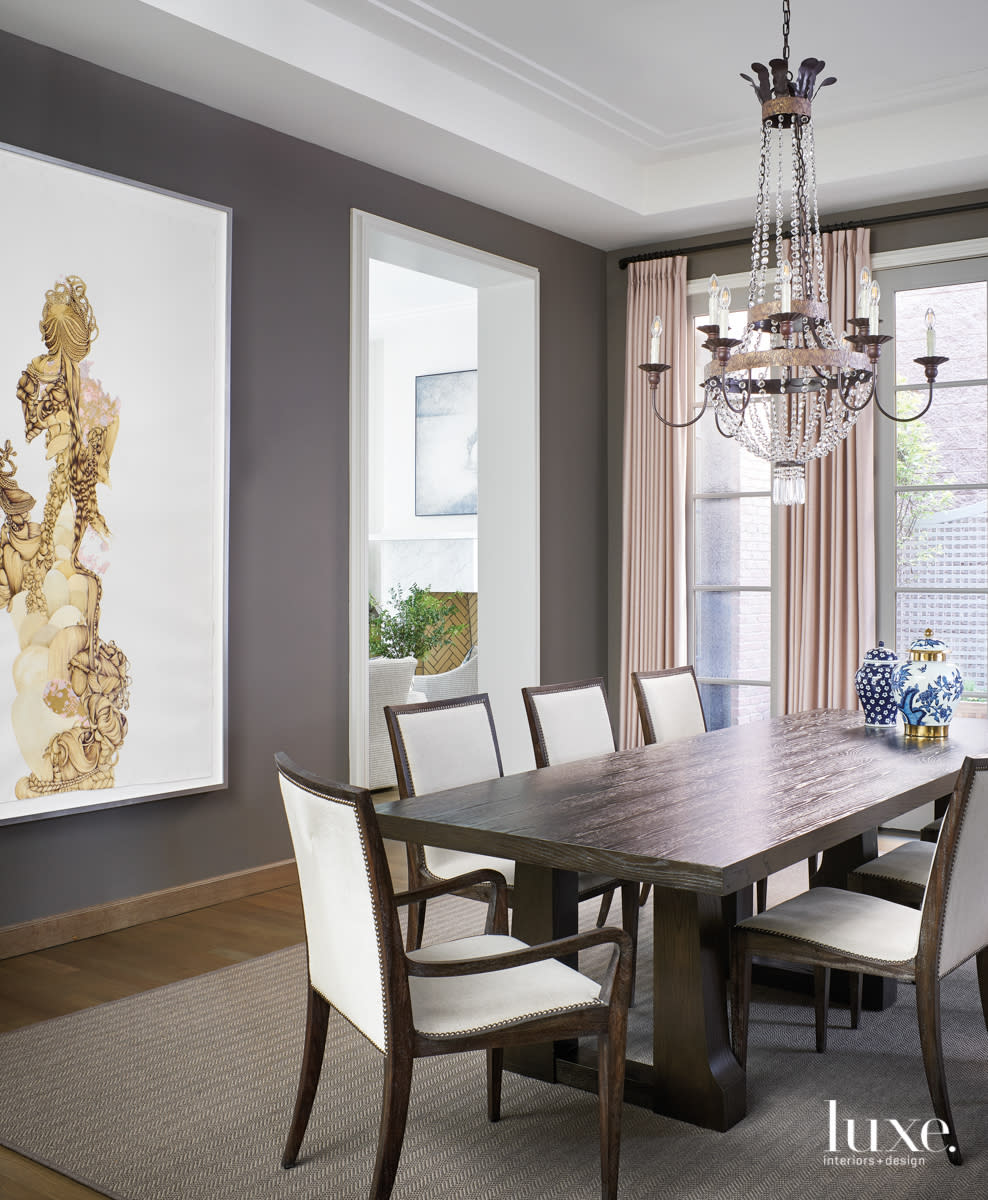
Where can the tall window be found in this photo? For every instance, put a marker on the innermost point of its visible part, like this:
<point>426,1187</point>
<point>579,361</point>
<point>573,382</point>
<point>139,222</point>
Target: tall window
<point>731,615</point>
<point>933,473</point>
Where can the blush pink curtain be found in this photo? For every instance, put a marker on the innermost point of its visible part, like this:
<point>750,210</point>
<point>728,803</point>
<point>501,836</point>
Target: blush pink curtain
<point>828,543</point>
<point>653,558</point>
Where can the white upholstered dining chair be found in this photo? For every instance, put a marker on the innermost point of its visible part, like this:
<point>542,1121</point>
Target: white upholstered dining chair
<point>669,704</point>
<point>569,722</point>
<point>853,931</point>
<point>669,707</point>
<point>899,875</point>
<point>475,993</point>
<point>437,745</point>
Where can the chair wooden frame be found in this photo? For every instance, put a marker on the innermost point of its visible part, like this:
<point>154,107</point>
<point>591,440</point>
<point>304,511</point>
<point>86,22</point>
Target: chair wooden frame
<point>607,1021</point>
<point>923,970</point>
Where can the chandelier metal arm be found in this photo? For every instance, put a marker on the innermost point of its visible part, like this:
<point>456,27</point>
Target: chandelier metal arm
<point>653,372</point>
<point>679,424</point>
<point>931,364</point>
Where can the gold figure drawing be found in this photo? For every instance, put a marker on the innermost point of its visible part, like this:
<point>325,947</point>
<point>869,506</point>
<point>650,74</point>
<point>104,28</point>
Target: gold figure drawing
<point>72,686</point>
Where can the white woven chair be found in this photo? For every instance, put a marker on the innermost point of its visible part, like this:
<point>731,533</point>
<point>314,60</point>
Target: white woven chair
<point>389,681</point>
<point>475,993</point>
<point>829,927</point>
<point>445,685</point>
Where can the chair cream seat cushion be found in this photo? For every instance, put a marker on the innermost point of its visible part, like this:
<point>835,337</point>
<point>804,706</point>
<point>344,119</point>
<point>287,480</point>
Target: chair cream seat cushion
<point>849,923</point>
<point>448,863</point>
<point>447,1007</point>
<point>909,863</point>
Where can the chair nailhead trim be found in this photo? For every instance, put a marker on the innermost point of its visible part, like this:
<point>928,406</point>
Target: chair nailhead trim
<point>544,1012</point>
<point>792,937</point>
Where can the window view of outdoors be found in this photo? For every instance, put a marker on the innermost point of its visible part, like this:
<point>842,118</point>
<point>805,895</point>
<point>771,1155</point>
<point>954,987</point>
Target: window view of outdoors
<point>941,481</point>
<point>732,570</point>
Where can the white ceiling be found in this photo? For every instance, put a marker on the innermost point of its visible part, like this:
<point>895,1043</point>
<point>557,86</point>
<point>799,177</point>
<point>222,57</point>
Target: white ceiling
<point>616,123</point>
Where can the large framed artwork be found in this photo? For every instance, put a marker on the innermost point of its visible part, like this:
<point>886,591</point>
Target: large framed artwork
<point>114,374</point>
<point>446,444</point>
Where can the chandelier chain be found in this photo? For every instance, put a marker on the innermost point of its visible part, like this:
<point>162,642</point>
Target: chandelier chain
<point>779,210</point>
<point>785,33</point>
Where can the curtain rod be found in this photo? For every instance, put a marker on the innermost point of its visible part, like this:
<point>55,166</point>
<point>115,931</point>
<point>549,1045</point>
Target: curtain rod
<point>834,227</point>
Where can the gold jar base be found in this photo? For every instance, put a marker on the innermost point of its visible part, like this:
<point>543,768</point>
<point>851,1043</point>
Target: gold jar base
<point>926,731</point>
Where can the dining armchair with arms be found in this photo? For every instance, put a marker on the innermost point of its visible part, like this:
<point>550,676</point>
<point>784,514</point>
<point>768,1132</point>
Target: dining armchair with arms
<point>570,722</point>
<point>669,707</point>
<point>475,993</point>
<point>832,928</point>
<point>445,744</point>
<point>436,745</point>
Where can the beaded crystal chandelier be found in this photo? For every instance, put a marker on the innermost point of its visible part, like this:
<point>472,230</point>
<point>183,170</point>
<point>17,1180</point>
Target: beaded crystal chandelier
<point>789,389</point>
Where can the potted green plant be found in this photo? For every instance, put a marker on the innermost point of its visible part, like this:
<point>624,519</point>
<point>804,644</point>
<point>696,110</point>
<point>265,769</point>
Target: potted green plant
<point>412,624</point>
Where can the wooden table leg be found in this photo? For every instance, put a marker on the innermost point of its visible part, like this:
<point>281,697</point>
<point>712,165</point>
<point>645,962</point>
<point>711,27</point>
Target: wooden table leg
<point>697,1077</point>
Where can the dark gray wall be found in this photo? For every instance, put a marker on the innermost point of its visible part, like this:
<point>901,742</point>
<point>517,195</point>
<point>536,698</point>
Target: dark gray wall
<point>289,457</point>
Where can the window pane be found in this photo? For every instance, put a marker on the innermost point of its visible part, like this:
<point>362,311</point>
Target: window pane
<point>960,620</point>
<point>942,539</point>
<point>949,444</point>
<point>961,320</point>
<point>733,634</point>
<point>733,541</point>
<point>725,705</point>
<point>723,466</point>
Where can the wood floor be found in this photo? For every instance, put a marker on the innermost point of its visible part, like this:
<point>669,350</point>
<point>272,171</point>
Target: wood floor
<point>64,979</point>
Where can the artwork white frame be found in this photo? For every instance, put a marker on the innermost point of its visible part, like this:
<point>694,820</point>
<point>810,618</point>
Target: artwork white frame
<point>157,269</point>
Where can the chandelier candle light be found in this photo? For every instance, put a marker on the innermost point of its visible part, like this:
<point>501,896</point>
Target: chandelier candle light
<point>789,389</point>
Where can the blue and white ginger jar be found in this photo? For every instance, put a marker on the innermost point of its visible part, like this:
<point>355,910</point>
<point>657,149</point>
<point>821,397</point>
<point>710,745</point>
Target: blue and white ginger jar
<point>873,683</point>
<point>927,687</point>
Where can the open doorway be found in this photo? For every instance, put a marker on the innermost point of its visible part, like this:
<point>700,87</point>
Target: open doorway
<point>442,335</point>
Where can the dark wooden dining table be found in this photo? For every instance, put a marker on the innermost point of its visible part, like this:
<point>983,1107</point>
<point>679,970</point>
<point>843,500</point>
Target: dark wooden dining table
<point>701,820</point>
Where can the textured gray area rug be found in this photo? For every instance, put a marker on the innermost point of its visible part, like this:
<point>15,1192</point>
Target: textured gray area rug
<point>185,1093</point>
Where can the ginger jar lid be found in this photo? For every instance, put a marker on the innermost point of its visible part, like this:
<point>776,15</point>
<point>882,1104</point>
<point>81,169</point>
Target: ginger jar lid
<point>928,649</point>
<point>881,654</point>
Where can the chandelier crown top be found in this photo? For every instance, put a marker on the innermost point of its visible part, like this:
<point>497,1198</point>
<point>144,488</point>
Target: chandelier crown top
<point>780,82</point>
